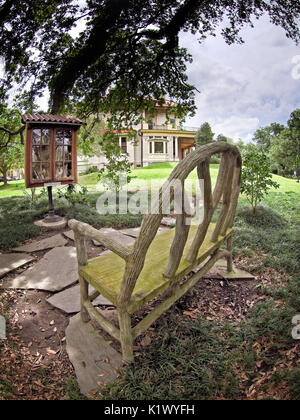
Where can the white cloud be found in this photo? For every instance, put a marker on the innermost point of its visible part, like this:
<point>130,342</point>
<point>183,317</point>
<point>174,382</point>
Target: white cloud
<point>249,84</point>
<point>237,127</point>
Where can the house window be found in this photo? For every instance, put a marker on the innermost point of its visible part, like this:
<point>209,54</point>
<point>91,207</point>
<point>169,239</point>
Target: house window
<point>124,144</point>
<point>158,147</point>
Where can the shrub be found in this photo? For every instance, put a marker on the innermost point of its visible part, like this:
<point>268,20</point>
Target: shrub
<point>75,195</point>
<point>256,177</point>
<point>91,170</point>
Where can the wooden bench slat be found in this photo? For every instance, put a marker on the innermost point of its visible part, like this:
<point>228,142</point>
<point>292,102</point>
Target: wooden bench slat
<point>105,273</point>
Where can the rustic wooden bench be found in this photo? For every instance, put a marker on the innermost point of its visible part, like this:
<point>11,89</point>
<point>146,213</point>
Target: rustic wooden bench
<point>129,277</point>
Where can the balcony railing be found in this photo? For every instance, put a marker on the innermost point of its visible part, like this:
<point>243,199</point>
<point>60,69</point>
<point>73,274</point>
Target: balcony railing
<point>171,127</point>
<point>186,128</point>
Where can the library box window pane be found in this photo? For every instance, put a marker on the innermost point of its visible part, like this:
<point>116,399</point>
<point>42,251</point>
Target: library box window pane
<point>59,153</point>
<point>68,137</point>
<point>45,170</point>
<point>45,136</point>
<point>67,170</point>
<point>158,147</point>
<point>36,171</point>
<point>59,173</point>
<point>36,157</point>
<point>36,136</point>
<point>59,136</point>
<point>67,152</point>
<point>45,153</point>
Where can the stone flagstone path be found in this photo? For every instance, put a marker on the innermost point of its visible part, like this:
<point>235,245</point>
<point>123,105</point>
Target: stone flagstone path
<point>54,272</point>
<point>10,262</point>
<point>2,328</point>
<point>134,232</point>
<point>47,243</point>
<point>237,274</point>
<point>69,234</point>
<point>68,301</point>
<point>94,360</point>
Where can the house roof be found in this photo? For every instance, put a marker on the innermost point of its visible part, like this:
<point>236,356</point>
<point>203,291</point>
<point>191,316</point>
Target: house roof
<point>51,118</point>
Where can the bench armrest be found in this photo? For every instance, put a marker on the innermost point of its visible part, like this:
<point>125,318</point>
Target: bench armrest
<point>103,238</point>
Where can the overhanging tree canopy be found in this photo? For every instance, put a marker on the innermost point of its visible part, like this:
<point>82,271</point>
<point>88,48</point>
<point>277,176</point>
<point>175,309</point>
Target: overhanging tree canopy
<point>131,45</point>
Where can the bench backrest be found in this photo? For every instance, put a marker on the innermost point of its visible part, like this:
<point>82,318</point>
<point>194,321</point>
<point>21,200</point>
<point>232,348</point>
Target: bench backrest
<point>227,187</point>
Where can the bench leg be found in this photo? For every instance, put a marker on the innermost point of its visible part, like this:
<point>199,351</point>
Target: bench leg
<point>84,296</point>
<point>126,336</point>
<point>229,259</point>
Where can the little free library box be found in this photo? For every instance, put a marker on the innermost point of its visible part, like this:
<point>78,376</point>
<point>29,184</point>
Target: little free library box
<point>51,149</point>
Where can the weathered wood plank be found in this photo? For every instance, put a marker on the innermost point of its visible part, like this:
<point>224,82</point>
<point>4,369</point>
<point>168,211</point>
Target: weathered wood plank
<point>203,173</point>
<point>105,272</point>
<point>104,323</point>
<point>103,238</point>
<point>220,225</point>
<point>181,234</point>
<point>177,292</point>
<point>126,336</point>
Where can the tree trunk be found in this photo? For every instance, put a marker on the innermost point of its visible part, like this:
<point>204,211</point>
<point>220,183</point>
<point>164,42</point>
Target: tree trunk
<point>3,171</point>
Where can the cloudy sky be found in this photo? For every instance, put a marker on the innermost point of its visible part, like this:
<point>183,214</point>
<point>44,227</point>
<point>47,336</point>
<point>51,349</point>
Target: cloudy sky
<point>244,87</point>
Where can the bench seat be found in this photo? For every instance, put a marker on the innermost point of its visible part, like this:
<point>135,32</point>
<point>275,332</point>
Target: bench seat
<point>105,273</point>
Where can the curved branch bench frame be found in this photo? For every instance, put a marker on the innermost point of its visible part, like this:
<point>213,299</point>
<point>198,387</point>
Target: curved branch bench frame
<point>227,188</point>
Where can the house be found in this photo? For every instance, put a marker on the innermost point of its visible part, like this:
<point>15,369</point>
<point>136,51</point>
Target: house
<point>157,141</point>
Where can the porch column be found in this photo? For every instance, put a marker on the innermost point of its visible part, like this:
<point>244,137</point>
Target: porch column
<point>176,148</point>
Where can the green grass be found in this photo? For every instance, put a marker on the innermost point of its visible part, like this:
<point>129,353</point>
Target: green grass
<point>185,361</point>
<point>157,172</point>
<point>12,189</point>
<point>6,389</point>
<point>17,215</point>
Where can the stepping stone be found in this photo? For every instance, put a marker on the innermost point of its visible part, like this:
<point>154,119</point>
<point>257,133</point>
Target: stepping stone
<point>2,328</point>
<point>68,300</point>
<point>94,360</point>
<point>118,236</point>
<point>168,221</point>
<point>111,315</point>
<point>134,232</point>
<point>10,262</point>
<point>69,234</point>
<point>47,243</point>
<point>237,274</point>
<point>56,271</point>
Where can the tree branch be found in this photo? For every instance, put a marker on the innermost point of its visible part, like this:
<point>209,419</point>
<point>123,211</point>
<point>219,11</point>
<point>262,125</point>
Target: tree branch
<point>173,27</point>
<point>87,55</point>
<point>11,134</point>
